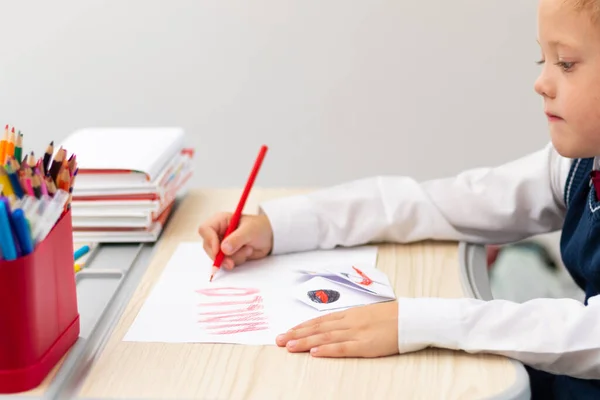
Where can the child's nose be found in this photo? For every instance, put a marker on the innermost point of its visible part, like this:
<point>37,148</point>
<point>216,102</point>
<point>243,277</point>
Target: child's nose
<point>543,86</point>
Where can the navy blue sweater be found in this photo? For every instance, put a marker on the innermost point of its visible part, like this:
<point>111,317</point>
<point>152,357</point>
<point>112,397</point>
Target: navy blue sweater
<point>580,250</point>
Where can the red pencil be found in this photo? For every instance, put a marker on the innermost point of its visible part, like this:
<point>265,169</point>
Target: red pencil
<point>235,218</point>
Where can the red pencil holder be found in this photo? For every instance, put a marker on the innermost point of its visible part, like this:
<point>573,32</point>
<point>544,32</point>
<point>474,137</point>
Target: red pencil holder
<point>39,319</point>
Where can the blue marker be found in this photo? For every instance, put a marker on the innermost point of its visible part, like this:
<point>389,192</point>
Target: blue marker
<point>80,252</point>
<point>15,241</point>
<point>7,243</point>
<point>23,233</point>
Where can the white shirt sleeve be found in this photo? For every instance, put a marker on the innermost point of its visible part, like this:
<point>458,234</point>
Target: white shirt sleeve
<point>481,205</point>
<point>560,336</point>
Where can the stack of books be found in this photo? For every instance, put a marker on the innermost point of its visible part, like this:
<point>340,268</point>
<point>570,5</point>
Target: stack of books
<point>128,181</point>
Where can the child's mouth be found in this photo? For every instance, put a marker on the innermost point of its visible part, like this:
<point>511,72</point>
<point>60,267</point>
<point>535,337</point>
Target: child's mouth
<point>553,117</point>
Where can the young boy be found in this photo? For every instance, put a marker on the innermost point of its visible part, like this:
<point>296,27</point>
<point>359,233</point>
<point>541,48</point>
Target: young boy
<point>558,339</point>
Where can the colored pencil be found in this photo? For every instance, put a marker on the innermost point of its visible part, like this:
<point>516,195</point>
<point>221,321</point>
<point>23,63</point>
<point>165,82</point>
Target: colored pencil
<point>43,186</point>
<point>64,181</point>
<point>74,177</point>
<point>19,146</point>
<point>235,218</point>
<point>26,171</point>
<point>28,186</point>
<point>48,157</point>
<point>80,252</point>
<point>31,162</point>
<point>57,164</point>
<point>10,144</point>
<point>51,186</point>
<point>3,144</point>
<point>72,164</point>
<point>24,181</point>
<point>36,186</point>
<point>5,182</point>
<point>14,180</point>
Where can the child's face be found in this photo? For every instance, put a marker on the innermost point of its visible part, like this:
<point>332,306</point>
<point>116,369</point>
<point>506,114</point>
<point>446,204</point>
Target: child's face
<point>570,78</point>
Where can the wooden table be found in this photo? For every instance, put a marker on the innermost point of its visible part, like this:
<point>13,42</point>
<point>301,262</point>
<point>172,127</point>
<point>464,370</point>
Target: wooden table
<point>227,371</point>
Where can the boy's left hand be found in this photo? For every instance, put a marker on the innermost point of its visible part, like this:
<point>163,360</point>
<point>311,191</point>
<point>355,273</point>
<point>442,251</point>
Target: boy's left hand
<point>367,331</point>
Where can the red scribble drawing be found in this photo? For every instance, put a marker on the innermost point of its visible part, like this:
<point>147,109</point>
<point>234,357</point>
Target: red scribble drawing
<point>247,317</point>
<point>230,324</point>
<point>233,303</point>
<point>242,328</point>
<point>362,280</point>
<point>227,291</point>
<point>365,279</point>
<point>252,305</point>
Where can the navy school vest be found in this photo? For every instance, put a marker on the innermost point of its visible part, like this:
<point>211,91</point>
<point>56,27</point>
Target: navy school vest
<point>580,251</point>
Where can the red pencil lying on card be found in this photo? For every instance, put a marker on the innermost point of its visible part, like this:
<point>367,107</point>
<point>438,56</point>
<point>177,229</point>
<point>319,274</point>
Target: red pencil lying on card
<point>235,218</point>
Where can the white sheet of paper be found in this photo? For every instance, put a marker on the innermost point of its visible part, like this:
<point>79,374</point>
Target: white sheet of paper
<point>250,305</point>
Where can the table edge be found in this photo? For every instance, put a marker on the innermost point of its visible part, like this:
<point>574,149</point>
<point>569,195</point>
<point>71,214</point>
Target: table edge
<point>473,273</point>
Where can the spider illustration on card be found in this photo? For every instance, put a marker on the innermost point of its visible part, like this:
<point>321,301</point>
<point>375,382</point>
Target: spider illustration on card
<point>324,296</point>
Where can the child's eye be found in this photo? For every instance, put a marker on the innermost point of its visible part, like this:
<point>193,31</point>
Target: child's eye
<point>566,66</point>
<point>540,62</point>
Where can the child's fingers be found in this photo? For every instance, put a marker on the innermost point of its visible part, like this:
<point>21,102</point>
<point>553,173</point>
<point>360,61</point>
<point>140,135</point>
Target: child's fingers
<point>238,239</point>
<point>212,230</point>
<point>321,320</point>
<point>241,255</point>
<point>337,350</point>
<point>309,342</point>
<point>210,240</point>
<point>325,328</point>
<point>208,250</point>
<point>227,263</point>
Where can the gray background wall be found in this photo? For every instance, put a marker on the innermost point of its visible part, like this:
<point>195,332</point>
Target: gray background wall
<point>424,88</point>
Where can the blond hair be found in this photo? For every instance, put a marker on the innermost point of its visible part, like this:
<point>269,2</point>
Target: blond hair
<point>591,6</point>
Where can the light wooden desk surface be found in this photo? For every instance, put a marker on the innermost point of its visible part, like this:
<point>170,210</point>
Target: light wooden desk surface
<point>226,371</point>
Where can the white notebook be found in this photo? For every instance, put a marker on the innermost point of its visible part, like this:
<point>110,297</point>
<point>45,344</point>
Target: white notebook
<point>117,156</point>
<point>149,235</point>
<point>178,168</point>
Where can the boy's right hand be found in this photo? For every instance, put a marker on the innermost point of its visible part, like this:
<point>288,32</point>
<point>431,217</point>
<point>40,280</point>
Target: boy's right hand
<point>253,238</point>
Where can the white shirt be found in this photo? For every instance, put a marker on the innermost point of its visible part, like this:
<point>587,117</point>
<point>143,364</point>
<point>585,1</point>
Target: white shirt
<point>484,205</point>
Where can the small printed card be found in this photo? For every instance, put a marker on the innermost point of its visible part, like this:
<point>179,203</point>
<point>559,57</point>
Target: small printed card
<point>324,294</point>
<point>368,279</point>
<point>344,286</point>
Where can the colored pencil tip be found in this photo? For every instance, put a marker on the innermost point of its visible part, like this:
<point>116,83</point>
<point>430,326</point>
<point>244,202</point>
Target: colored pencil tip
<point>211,278</point>
<point>52,143</point>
